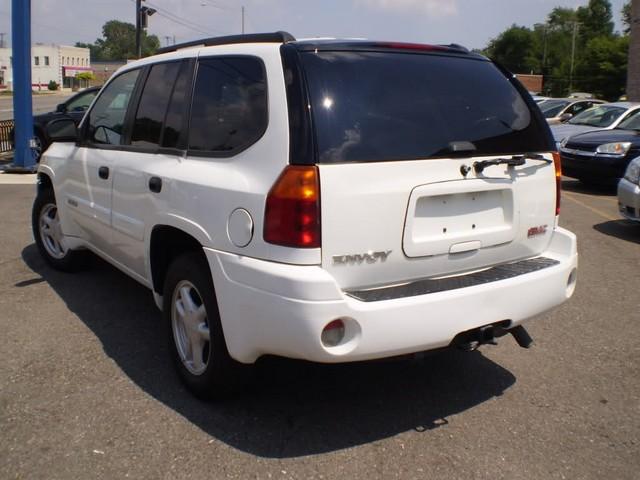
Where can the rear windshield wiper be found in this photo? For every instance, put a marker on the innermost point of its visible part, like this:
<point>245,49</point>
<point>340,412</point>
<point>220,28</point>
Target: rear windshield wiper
<point>514,161</point>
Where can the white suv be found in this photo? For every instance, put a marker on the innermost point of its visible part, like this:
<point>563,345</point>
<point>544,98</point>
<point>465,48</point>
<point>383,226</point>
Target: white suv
<point>324,200</point>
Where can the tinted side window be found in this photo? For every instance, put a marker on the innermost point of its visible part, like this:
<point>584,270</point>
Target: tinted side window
<point>229,108</point>
<point>176,113</point>
<point>106,119</point>
<point>149,118</point>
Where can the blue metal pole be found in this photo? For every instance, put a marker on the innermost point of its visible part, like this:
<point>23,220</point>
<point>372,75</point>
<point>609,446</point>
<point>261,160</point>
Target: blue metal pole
<point>23,115</point>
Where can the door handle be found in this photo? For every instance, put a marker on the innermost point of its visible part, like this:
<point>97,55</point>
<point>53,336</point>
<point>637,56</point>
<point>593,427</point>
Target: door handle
<point>155,184</point>
<point>103,172</point>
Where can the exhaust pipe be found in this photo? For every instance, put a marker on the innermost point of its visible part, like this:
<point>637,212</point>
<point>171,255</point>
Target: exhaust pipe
<point>521,336</point>
<point>487,335</point>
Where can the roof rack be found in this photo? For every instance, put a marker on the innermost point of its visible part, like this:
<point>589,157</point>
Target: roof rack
<point>275,37</point>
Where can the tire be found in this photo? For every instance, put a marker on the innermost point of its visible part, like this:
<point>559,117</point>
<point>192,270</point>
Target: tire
<point>196,339</point>
<point>40,142</point>
<point>48,235</point>
<point>41,146</point>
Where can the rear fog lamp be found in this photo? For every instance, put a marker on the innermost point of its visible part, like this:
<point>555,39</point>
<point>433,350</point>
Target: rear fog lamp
<point>333,333</point>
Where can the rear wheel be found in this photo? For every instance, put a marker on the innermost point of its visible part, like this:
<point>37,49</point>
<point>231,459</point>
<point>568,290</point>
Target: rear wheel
<point>48,235</point>
<point>196,340</point>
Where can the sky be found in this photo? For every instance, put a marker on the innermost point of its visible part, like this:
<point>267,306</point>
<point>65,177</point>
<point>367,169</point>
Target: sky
<point>471,23</point>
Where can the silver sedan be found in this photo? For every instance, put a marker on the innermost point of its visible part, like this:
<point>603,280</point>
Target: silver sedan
<point>600,117</point>
<point>629,192</point>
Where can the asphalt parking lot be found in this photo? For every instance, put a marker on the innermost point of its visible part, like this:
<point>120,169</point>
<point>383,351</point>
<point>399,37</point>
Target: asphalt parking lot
<point>87,391</point>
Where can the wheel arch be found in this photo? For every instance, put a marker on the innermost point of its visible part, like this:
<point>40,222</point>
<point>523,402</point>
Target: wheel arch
<point>44,180</point>
<point>166,244</point>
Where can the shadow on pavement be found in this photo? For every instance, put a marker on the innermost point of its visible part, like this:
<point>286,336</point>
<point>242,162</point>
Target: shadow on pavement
<point>295,408</point>
<point>600,189</point>
<point>622,229</point>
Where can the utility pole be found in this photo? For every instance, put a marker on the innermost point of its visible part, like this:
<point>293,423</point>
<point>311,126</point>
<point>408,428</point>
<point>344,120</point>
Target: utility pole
<point>142,14</point>
<point>166,40</point>
<point>138,29</point>
<point>243,19</point>
<point>544,50</point>
<point>573,53</point>
<point>2,34</point>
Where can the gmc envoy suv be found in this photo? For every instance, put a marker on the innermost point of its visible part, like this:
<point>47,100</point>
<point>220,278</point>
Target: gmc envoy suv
<point>327,200</point>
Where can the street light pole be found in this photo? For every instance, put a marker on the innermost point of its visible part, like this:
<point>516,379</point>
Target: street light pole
<point>23,114</point>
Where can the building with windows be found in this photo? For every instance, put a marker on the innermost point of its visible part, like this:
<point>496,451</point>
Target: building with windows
<point>59,63</point>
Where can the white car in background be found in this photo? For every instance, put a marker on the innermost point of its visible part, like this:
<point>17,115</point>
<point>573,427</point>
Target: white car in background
<point>600,117</point>
<point>558,110</point>
<point>629,192</point>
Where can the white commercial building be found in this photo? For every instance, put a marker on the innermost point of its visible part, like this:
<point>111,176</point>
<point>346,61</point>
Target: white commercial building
<point>59,63</point>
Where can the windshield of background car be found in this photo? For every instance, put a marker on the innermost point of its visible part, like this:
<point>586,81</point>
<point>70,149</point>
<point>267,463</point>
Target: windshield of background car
<point>81,102</point>
<point>384,106</point>
<point>631,123</point>
<point>601,116</point>
<point>551,108</point>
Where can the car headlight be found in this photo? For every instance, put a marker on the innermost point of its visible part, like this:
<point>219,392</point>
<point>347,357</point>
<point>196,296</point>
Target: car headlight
<point>633,171</point>
<point>616,148</point>
<point>564,141</point>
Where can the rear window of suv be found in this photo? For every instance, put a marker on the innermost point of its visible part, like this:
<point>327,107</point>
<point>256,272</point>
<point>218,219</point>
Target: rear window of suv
<point>385,106</point>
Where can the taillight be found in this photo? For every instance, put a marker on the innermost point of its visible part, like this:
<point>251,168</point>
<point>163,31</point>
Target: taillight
<point>558,166</point>
<point>292,214</point>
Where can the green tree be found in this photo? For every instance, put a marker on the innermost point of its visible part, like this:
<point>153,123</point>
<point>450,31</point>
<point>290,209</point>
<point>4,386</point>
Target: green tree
<point>85,76</point>
<point>603,70</point>
<point>119,42</point>
<point>561,18</point>
<point>94,51</point>
<point>514,48</point>
<point>598,60</point>
<point>595,20</point>
<point>626,17</point>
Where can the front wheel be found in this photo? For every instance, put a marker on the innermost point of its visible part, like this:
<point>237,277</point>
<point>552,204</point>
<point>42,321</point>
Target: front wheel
<point>196,340</point>
<point>48,235</point>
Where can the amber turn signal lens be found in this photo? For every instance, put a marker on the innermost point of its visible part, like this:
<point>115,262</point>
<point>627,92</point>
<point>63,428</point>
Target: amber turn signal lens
<point>292,214</point>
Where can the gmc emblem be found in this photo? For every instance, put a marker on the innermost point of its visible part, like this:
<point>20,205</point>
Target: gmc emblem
<point>535,231</point>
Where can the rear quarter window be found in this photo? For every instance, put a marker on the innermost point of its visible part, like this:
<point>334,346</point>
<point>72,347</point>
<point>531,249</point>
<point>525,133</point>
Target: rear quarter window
<point>229,107</point>
<point>385,106</point>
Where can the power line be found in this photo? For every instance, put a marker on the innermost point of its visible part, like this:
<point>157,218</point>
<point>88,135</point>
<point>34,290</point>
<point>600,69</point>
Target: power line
<point>184,24</point>
<point>183,21</point>
<point>215,5</point>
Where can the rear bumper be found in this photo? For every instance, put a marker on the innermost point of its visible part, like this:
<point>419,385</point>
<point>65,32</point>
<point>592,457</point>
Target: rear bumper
<point>269,308</point>
<point>629,200</point>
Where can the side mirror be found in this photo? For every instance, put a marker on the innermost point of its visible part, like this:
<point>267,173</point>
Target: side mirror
<point>61,108</point>
<point>565,116</point>
<point>62,130</point>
